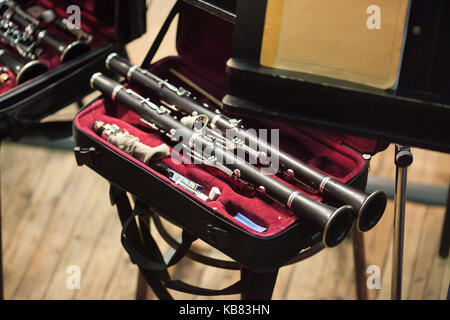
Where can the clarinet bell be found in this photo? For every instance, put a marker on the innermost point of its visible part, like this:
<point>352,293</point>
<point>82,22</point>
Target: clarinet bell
<point>30,70</point>
<point>67,51</point>
<point>369,207</point>
<point>335,223</point>
<point>371,211</point>
<point>73,50</point>
<point>24,71</point>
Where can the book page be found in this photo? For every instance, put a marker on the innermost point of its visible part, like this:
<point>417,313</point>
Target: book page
<point>355,40</point>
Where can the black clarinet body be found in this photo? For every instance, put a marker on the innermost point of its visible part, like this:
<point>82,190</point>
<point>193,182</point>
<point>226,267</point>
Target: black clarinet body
<point>24,71</point>
<point>335,223</point>
<point>369,207</point>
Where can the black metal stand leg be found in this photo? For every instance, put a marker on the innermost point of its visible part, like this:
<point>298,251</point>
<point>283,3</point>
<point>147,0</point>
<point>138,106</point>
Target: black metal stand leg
<point>257,286</point>
<point>445,237</point>
<point>403,159</point>
<point>448,292</point>
<point>142,287</point>
<point>360,264</point>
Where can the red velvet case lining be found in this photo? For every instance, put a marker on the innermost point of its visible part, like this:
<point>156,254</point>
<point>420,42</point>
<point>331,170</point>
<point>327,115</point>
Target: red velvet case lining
<point>98,24</point>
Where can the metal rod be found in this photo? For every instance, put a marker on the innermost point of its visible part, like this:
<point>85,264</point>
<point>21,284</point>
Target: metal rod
<point>403,158</point>
<point>445,235</point>
<point>359,257</point>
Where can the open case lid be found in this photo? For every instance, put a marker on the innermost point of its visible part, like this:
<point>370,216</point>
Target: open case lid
<point>205,41</point>
<point>415,111</point>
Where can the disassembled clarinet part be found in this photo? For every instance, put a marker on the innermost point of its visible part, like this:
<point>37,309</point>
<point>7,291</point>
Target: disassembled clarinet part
<point>129,143</point>
<point>132,146</point>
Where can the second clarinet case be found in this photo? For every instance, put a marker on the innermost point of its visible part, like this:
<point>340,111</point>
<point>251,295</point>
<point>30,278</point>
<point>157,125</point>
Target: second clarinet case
<point>49,49</point>
<point>254,230</point>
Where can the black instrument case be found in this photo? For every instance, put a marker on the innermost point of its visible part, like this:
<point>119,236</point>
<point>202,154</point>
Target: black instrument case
<point>112,24</point>
<point>204,41</point>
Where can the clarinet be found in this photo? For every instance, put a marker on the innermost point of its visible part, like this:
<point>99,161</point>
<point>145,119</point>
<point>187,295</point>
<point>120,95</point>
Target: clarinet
<point>21,41</point>
<point>24,71</point>
<point>25,46</point>
<point>335,223</point>
<point>369,207</point>
<point>67,51</point>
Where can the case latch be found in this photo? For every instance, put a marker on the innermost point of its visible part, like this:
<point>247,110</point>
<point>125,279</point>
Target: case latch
<point>85,156</point>
<point>220,237</point>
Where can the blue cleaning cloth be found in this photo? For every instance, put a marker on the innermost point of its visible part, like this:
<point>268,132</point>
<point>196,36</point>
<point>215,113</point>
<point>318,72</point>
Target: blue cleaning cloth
<point>243,219</point>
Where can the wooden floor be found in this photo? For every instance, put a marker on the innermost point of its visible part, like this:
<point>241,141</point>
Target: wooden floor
<point>55,215</point>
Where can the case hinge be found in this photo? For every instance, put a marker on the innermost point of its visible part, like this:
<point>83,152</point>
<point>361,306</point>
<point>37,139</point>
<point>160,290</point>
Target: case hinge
<point>85,156</point>
<point>220,237</point>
